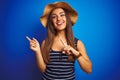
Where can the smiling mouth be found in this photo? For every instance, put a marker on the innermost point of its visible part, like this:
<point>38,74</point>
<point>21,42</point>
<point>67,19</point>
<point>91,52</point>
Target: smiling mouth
<point>60,23</point>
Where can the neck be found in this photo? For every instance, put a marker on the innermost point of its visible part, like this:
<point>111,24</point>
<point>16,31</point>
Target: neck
<point>62,37</point>
<point>61,34</point>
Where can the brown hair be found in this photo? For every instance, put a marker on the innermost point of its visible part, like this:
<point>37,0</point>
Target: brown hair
<point>51,33</point>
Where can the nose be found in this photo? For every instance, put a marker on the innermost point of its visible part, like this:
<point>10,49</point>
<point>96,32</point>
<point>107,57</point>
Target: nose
<point>59,18</point>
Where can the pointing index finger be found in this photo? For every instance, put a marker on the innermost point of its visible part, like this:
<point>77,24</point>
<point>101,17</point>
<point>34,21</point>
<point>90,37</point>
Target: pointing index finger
<point>28,38</point>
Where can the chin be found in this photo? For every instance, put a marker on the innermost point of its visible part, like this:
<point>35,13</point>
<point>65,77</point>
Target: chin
<point>60,29</point>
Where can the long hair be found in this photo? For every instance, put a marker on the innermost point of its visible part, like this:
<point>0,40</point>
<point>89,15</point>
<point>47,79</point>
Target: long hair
<point>52,32</point>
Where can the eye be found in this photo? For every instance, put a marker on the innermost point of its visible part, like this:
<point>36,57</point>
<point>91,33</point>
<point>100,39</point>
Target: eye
<point>54,16</point>
<point>62,15</point>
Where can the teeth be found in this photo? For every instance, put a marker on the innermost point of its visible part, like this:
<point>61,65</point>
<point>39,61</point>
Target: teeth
<point>59,23</point>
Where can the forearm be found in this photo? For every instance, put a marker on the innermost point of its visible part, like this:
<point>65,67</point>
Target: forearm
<point>40,62</point>
<point>85,64</point>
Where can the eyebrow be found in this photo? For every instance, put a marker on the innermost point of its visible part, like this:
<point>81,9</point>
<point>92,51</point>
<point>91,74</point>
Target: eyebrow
<point>59,13</point>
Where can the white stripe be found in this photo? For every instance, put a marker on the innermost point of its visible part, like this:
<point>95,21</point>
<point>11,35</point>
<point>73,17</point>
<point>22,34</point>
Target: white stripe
<point>58,59</point>
<point>59,75</point>
<point>60,66</point>
<point>51,53</point>
<point>54,56</point>
<point>61,63</point>
<point>62,73</point>
<point>61,69</point>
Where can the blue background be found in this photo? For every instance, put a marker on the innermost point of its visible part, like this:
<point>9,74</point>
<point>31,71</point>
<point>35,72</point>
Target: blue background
<point>97,27</point>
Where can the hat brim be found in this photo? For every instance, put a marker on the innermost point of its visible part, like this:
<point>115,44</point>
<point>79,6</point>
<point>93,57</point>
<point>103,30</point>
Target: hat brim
<point>72,13</point>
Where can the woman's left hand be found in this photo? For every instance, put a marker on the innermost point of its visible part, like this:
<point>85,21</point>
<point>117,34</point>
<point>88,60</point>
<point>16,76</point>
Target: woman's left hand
<point>70,50</point>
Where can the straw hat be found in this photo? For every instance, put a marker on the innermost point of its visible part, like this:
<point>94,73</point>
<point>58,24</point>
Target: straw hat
<point>72,13</point>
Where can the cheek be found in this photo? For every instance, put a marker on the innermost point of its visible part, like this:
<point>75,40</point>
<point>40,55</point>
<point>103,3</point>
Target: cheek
<point>53,21</point>
<point>64,19</point>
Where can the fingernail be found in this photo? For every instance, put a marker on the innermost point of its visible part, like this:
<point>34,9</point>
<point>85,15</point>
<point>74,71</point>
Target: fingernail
<point>63,51</point>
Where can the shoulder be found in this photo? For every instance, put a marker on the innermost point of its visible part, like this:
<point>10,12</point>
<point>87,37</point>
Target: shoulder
<point>79,43</point>
<point>43,42</point>
<point>76,40</point>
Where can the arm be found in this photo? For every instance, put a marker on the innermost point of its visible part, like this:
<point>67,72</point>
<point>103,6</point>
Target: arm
<point>84,60</point>
<point>81,56</point>
<point>34,45</point>
<point>40,62</point>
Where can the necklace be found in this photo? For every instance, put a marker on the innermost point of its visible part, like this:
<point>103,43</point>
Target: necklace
<point>64,43</point>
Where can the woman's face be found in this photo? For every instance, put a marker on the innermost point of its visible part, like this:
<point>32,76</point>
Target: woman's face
<point>59,19</point>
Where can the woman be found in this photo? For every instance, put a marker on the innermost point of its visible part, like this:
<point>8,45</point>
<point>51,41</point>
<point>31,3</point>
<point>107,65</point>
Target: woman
<point>60,49</point>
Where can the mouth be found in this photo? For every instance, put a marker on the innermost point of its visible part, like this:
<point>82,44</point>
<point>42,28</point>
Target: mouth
<point>59,23</point>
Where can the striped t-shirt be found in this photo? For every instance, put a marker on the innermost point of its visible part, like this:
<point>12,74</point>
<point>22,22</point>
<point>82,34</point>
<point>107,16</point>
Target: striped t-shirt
<point>59,68</point>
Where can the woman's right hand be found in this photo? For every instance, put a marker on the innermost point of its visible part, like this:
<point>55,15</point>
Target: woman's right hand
<point>34,44</point>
